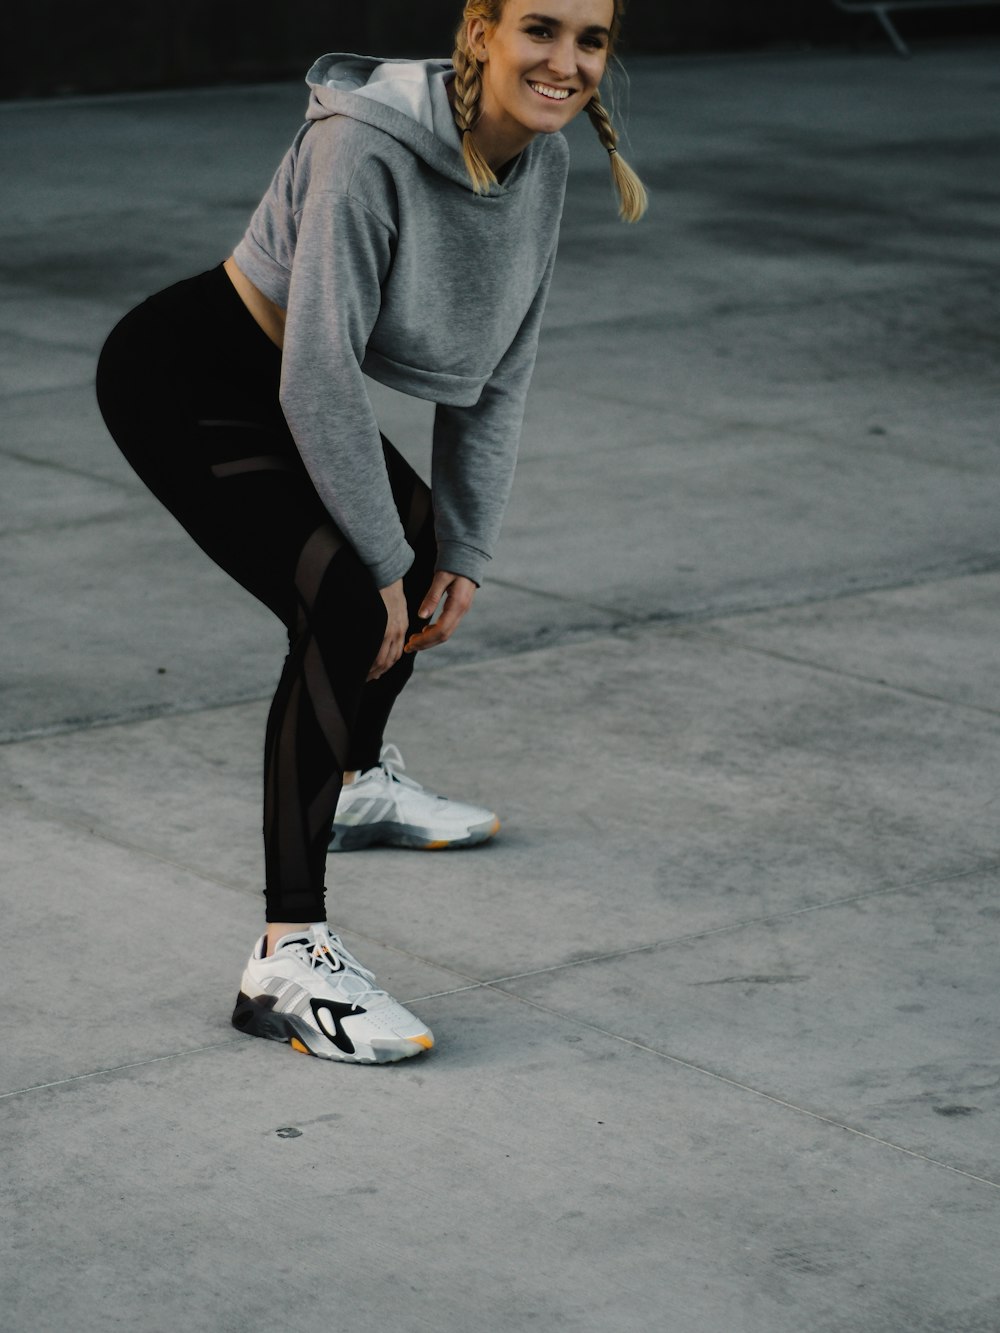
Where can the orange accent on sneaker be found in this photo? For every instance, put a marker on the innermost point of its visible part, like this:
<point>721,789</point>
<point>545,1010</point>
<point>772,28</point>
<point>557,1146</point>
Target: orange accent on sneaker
<point>425,1040</point>
<point>436,846</point>
<point>297,1045</point>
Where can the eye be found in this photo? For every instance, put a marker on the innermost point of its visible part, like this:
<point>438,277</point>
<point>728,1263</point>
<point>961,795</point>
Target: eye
<point>538,30</point>
<point>593,42</point>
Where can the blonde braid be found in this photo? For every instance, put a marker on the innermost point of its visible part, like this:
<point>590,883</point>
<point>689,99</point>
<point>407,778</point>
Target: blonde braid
<point>631,192</point>
<point>467,110</point>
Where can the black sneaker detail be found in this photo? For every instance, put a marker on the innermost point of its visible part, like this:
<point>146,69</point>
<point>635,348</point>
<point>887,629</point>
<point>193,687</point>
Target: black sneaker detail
<point>259,1020</point>
<point>255,1017</point>
<point>337,1011</point>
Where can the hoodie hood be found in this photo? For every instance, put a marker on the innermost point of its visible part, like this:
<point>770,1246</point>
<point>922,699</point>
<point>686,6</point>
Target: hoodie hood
<point>407,99</point>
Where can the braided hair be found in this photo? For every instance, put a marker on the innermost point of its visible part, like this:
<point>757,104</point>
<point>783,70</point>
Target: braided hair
<point>468,105</point>
<point>468,89</point>
<point>633,200</point>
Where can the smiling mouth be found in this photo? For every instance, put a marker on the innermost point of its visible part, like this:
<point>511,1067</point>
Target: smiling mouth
<point>548,92</point>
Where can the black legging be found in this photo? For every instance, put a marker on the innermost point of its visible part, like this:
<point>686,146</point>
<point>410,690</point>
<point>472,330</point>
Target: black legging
<point>188,386</point>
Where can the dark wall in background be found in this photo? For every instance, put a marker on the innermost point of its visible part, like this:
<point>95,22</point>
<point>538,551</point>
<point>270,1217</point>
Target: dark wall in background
<point>54,47</point>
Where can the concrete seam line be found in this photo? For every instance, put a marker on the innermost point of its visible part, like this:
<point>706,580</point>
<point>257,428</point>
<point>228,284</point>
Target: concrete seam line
<point>82,826</point>
<point>733,638</point>
<point>682,622</point>
<point>624,617</point>
<point>56,388</point>
<point>984,868</point>
<point>133,499</point>
<point>757,1092</point>
<point>970,566</point>
<point>456,990</point>
<point>85,475</point>
<point>118,1069</point>
<point>497,983</point>
<point>140,714</point>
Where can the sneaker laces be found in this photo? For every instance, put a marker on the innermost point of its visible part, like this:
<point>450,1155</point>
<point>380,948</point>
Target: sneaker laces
<point>390,761</point>
<point>319,950</point>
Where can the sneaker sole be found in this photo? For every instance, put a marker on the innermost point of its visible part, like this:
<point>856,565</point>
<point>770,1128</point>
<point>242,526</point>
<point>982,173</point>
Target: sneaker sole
<point>355,837</point>
<point>258,1019</point>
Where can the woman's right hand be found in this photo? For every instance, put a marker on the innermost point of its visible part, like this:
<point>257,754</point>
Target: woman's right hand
<point>396,627</point>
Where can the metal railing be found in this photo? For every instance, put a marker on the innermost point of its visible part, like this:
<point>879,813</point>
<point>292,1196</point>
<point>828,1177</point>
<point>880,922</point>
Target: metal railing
<point>881,8</point>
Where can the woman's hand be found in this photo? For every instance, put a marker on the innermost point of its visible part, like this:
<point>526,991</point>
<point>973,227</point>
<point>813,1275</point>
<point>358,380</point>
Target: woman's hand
<point>458,592</point>
<point>395,630</point>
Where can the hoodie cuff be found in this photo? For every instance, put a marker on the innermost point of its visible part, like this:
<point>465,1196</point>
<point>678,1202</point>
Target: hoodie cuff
<point>457,558</point>
<point>393,567</point>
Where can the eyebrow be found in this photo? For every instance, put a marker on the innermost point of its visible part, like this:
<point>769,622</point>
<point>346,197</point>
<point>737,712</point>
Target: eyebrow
<point>557,23</point>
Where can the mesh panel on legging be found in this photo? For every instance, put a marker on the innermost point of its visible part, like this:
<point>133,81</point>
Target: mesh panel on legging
<point>188,387</point>
<point>324,713</point>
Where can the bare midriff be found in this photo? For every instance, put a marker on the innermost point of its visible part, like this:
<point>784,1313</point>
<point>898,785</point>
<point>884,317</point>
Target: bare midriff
<point>269,316</point>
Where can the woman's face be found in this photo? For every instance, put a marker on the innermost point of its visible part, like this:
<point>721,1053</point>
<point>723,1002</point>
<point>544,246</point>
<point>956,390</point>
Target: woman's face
<point>542,62</point>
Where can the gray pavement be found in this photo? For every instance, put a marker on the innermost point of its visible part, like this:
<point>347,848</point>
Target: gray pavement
<point>717,1012</point>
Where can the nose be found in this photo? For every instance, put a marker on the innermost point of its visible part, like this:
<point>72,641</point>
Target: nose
<point>562,57</point>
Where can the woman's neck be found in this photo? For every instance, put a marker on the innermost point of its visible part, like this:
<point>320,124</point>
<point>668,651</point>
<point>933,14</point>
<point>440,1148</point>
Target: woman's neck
<point>499,143</point>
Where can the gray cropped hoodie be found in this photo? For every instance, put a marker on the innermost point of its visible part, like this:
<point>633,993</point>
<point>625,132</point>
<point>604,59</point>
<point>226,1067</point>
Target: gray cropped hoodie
<point>386,262</point>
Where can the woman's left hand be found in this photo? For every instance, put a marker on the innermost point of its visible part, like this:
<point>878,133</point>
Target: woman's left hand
<point>458,592</point>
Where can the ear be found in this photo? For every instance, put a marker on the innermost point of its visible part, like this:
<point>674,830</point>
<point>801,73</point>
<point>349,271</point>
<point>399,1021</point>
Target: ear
<point>476,34</point>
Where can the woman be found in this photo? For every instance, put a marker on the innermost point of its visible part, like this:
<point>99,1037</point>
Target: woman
<point>410,232</point>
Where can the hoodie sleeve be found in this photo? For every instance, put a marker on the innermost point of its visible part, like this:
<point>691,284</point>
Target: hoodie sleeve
<point>342,257</point>
<point>475,449</point>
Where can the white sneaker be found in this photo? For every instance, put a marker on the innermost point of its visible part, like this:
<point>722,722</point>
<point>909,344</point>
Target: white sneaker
<point>382,806</point>
<point>312,993</point>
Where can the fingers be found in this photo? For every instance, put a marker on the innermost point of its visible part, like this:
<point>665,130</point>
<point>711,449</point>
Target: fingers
<point>394,636</point>
<point>389,654</point>
<point>427,638</point>
<point>458,592</point>
<point>438,588</point>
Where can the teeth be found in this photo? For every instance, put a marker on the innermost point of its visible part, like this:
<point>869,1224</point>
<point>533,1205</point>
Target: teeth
<point>557,94</point>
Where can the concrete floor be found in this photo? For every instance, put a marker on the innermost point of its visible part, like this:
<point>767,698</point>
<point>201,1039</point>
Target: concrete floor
<point>717,1012</point>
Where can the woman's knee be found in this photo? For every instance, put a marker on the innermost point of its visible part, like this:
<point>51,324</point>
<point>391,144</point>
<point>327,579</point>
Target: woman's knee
<point>347,614</point>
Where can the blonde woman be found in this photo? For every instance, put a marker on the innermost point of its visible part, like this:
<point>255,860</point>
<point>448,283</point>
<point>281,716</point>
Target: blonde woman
<point>409,233</point>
